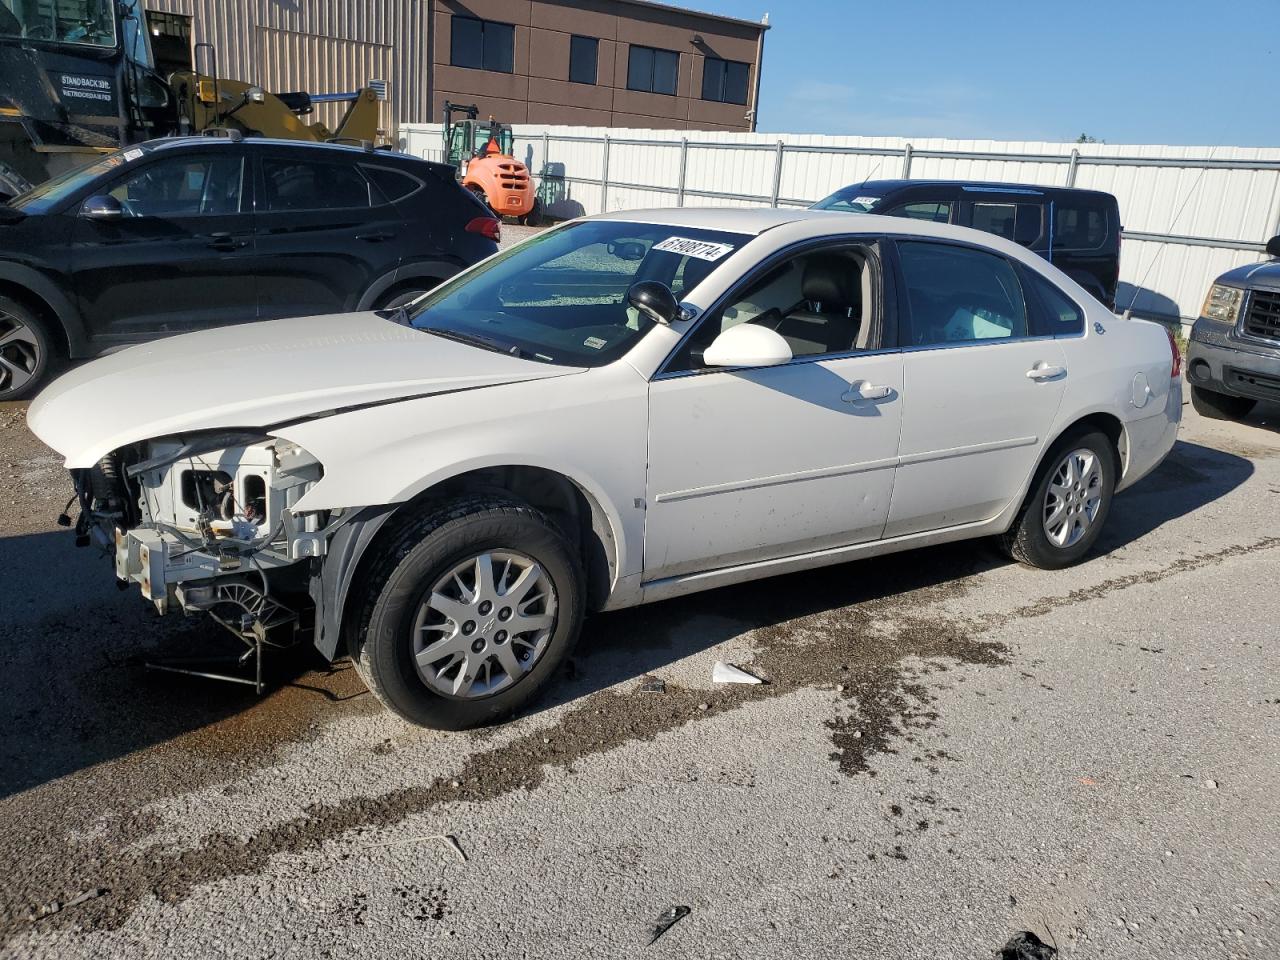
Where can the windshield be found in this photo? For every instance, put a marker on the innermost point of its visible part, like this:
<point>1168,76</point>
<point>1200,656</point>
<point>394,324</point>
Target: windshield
<point>853,199</point>
<point>561,296</point>
<point>89,22</point>
<point>49,194</point>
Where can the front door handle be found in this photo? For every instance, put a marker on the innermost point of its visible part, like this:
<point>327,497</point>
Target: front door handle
<point>375,237</point>
<point>1046,371</point>
<point>865,390</point>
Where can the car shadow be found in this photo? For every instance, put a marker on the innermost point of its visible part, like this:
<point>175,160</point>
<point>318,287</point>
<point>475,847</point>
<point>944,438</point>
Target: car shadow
<point>75,693</point>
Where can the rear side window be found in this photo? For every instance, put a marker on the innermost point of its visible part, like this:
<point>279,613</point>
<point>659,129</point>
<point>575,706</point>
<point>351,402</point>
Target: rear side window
<point>1059,316</point>
<point>392,185</point>
<point>312,185</point>
<point>960,295</point>
<point>1079,225</point>
<point>1019,222</point>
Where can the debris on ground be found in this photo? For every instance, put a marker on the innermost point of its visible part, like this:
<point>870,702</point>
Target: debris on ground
<point>666,920</point>
<point>1025,945</point>
<point>653,685</point>
<point>1211,784</point>
<point>56,906</point>
<point>448,839</point>
<point>727,673</point>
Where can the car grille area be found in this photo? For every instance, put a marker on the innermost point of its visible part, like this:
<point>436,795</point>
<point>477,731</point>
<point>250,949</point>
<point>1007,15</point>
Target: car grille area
<point>1263,318</point>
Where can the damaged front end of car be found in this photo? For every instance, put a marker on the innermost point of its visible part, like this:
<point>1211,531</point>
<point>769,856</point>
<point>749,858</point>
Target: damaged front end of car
<point>206,523</point>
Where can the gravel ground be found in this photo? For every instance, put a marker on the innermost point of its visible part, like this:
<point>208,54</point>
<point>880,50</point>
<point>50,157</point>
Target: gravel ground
<point>949,748</point>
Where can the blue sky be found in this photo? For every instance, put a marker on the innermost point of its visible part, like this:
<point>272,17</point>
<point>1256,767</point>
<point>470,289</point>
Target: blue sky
<point>1125,71</point>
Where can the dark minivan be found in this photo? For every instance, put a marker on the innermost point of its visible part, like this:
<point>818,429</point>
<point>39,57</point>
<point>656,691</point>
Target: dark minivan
<point>186,233</point>
<point>1078,231</point>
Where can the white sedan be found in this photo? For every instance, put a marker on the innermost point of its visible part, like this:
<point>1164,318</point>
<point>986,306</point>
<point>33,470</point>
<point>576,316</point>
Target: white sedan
<point>623,409</point>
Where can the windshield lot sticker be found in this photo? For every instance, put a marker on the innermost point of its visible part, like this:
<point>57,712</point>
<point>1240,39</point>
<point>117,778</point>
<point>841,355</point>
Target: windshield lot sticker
<point>867,201</point>
<point>595,343</point>
<point>701,249</point>
<point>132,154</point>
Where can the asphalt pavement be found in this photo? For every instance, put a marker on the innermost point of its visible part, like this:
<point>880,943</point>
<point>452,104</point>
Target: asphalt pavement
<point>949,748</point>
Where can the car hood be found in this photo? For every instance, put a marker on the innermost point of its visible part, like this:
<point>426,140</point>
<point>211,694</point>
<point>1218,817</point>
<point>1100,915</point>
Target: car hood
<point>1264,275</point>
<point>258,375</point>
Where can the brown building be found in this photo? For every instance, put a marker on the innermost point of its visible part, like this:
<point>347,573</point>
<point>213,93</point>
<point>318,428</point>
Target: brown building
<point>611,63</point>
<point>620,63</point>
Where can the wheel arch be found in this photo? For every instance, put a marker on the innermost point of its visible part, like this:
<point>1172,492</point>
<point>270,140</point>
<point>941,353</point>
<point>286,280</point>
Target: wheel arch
<point>41,297</point>
<point>576,509</point>
<point>437,270</point>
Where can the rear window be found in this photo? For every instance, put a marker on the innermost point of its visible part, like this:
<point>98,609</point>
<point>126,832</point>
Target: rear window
<point>849,200</point>
<point>393,185</point>
<point>1019,222</point>
<point>312,185</point>
<point>1079,224</point>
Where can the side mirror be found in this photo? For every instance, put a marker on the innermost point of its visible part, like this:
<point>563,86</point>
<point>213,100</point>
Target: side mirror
<point>1273,246</point>
<point>656,301</point>
<point>102,207</point>
<point>747,345</point>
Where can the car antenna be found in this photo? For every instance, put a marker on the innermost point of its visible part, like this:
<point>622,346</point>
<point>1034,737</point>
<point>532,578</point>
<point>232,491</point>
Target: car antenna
<point>1138,288</point>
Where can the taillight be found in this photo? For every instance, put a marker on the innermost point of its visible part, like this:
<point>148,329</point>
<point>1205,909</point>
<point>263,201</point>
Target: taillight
<point>490,227</point>
<point>1177,356</point>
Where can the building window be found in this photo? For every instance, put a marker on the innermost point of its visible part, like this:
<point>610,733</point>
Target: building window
<point>652,71</point>
<point>482,45</point>
<point>583,53</point>
<point>724,81</point>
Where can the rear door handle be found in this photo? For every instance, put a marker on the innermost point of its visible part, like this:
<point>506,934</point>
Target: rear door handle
<point>225,241</point>
<point>865,390</point>
<point>1046,371</point>
<point>375,237</point>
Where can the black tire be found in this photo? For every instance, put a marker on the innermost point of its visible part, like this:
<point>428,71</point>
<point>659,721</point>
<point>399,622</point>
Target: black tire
<point>1220,406</point>
<point>25,364</point>
<point>534,217</point>
<point>398,298</point>
<point>1026,539</point>
<point>401,575</point>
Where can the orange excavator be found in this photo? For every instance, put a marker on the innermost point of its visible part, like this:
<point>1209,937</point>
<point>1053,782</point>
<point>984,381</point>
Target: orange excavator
<point>483,155</point>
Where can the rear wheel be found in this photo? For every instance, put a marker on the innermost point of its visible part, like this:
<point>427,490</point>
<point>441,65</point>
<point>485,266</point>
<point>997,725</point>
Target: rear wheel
<point>26,351</point>
<point>403,296</point>
<point>534,217</point>
<point>1063,514</point>
<point>472,608</point>
<point>1220,406</point>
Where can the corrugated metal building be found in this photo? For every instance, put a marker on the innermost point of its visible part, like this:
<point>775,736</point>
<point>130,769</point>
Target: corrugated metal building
<point>321,46</point>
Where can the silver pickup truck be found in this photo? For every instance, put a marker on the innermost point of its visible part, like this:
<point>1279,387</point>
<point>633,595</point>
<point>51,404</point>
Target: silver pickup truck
<point>1233,360</point>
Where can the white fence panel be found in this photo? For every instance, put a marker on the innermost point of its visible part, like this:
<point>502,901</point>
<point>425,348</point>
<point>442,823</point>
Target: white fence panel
<point>1189,213</point>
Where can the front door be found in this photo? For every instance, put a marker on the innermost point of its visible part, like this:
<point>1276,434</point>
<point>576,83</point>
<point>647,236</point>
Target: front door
<point>181,256</point>
<point>321,238</point>
<point>755,464</point>
<point>982,393</point>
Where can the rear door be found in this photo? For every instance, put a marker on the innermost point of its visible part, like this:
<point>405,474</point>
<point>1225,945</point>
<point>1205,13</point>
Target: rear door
<point>324,234</point>
<point>181,258</point>
<point>981,387</point>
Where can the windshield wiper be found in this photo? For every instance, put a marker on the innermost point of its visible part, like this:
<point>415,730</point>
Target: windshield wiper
<point>477,340</point>
<point>399,315</point>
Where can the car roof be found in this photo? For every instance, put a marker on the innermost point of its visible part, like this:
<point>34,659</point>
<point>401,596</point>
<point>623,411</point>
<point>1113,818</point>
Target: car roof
<point>977,186</point>
<point>170,143</point>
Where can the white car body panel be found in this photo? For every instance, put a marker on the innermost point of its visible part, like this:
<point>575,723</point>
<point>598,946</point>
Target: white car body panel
<point>255,375</point>
<point>702,479</point>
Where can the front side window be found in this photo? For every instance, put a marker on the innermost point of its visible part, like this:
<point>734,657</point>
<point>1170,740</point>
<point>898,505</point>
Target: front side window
<point>960,295</point>
<point>583,54</point>
<point>183,187</point>
<point>311,185</point>
<point>1019,222</point>
<point>482,44</point>
<point>725,81</point>
<point>652,71</point>
<point>935,211</point>
<point>561,297</point>
<point>822,302</point>
<point>87,22</point>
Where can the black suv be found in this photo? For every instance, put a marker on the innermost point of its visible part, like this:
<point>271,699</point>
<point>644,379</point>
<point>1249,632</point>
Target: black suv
<point>180,234</point>
<point>1078,231</point>
<point>1233,359</point>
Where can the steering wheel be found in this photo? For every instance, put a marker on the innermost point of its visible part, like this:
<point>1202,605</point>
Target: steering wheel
<point>41,31</point>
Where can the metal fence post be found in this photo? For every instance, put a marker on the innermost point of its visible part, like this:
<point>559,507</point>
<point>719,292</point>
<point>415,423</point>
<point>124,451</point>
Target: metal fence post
<point>684,163</point>
<point>777,172</point>
<point>546,148</point>
<point>1071,169</point>
<point>906,162</point>
<point>604,177</point>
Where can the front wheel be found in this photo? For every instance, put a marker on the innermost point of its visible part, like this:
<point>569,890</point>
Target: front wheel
<point>1220,406</point>
<point>473,607</point>
<point>1063,514</point>
<point>26,351</point>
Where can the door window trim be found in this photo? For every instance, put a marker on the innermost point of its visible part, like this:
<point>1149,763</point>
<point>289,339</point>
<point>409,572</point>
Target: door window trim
<point>884,310</point>
<point>904,328</point>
